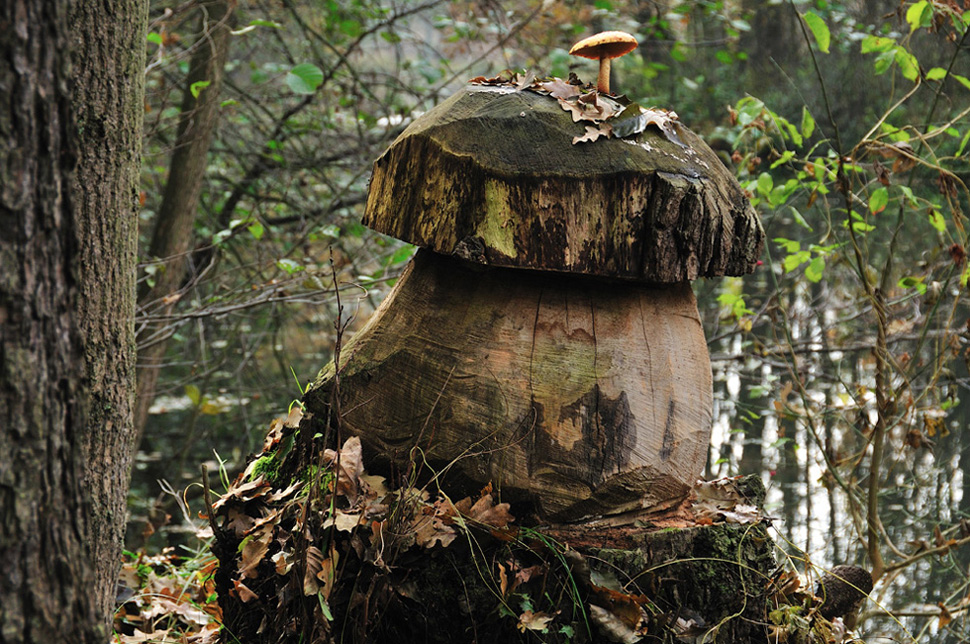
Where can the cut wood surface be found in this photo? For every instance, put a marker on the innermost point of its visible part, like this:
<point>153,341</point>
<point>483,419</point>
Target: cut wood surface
<point>586,396</point>
<point>491,175</point>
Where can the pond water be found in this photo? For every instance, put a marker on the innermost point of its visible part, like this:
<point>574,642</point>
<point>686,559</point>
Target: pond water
<point>764,424</point>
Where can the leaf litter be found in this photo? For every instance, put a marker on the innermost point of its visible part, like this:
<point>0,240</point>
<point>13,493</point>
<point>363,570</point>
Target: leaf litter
<point>337,534</point>
<point>609,116</point>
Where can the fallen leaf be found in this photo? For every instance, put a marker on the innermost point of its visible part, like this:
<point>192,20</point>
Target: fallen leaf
<point>242,592</point>
<point>529,621</point>
<point>592,133</point>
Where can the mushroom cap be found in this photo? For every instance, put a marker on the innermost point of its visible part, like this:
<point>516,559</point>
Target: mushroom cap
<point>491,175</point>
<point>607,44</point>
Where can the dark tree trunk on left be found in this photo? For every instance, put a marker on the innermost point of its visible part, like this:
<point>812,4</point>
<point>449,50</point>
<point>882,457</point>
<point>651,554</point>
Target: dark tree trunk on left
<point>68,166</point>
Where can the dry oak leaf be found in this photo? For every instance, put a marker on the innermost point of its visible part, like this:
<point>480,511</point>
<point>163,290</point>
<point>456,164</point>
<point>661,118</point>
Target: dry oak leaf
<point>529,621</point>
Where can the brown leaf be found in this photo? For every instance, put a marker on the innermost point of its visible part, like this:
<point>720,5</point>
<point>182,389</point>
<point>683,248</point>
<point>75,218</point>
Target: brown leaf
<point>945,616</point>
<point>529,621</point>
<point>882,174</point>
<point>314,564</point>
<point>558,88</point>
<point>351,467</point>
<point>242,592</point>
<point>593,133</point>
<point>487,513</point>
<point>429,530</point>
<point>254,548</point>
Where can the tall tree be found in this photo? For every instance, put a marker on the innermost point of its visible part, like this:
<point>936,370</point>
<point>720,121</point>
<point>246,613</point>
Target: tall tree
<point>173,235</point>
<point>70,156</point>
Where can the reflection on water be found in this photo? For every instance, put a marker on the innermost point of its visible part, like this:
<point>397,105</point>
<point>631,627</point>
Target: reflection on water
<point>763,423</point>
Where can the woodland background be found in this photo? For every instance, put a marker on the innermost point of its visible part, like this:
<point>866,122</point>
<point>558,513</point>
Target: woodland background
<point>840,365</point>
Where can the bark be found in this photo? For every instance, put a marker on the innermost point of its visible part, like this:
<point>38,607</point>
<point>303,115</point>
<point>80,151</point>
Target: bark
<point>173,235</point>
<point>109,48</point>
<point>585,396</point>
<point>56,580</point>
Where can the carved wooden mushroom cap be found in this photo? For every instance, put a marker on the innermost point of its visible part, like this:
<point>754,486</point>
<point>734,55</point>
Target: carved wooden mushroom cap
<point>491,175</point>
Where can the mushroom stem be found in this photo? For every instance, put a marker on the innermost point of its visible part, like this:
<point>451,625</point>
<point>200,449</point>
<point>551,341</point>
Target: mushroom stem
<point>603,80</point>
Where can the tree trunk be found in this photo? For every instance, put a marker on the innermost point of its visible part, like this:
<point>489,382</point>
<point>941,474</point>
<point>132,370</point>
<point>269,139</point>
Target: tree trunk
<point>109,103</point>
<point>65,254</point>
<point>173,235</point>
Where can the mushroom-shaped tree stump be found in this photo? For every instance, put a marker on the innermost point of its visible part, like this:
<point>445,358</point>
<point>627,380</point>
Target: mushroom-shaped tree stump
<point>545,338</point>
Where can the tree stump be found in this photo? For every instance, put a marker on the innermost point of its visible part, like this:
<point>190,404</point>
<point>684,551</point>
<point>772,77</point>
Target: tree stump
<point>546,339</point>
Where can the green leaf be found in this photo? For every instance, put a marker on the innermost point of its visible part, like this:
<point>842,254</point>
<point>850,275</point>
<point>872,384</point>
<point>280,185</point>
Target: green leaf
<point>913,282</point>
<point>936,73</point>
<point>962,79</point>
<point>289,265</point>
<point>793,261</point>
<point>884,61</point>
<point>194,394</point>
<point>790,245</point>
<point>813,272</point>
<point>859,224</point>
<point>937,220</point>
<point>872,44</point>
<point>154,38</point>
<point>963,143</point>
<point>197,87</point>
<point>785,158</point>
<point>908,65</point>
<point>878,200</point>
<point>256,230</point>
<point>324,607</point>
<point>677,52</point>
<point>799,219</point>
<point>400,256</point>
<point>765,183</point>
<point>304,78</point>
<point>919,14</point>
<point>351,27</point>
<point>820,30</point>
<point>910,197</point>
<point>808,123</point>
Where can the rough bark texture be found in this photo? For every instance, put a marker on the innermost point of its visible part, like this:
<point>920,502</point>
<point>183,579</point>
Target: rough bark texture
<point>108,39</point>
<point>587,396</point>
<point>174,225</point>
<point>491,175</point>
<point>55,388</point>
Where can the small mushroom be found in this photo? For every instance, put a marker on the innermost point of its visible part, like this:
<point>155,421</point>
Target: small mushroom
<point>603,47</point>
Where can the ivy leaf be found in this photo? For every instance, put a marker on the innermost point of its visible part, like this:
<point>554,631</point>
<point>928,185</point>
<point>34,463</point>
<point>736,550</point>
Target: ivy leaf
<point>304,78</point>
<point>820,30</point>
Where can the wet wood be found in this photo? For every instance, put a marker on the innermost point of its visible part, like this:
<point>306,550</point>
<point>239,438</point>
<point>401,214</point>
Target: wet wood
<point>491,175</point>
<point>586,396</point>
